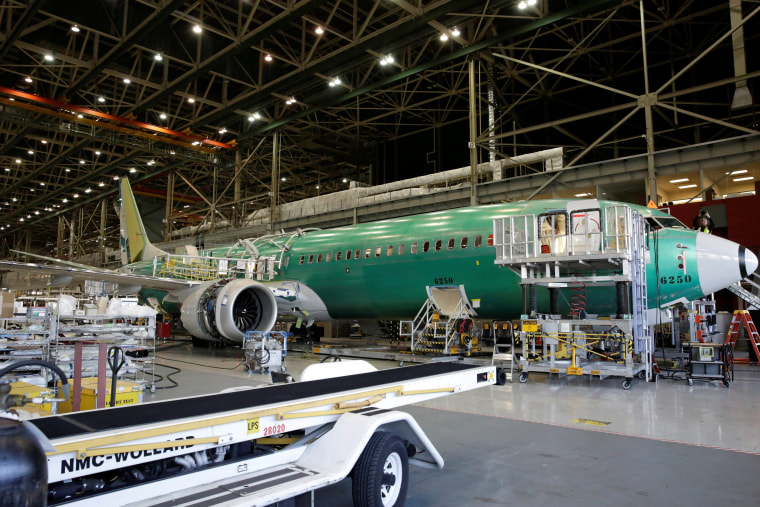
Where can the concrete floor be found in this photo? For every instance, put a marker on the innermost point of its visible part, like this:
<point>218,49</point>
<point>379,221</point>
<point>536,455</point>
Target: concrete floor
<point>553,440</point>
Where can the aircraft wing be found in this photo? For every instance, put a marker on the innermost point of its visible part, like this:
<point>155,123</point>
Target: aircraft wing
<point>63,275</point>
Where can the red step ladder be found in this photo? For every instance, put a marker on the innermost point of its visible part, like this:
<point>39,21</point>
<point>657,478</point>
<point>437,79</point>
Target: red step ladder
<point>743,316</point>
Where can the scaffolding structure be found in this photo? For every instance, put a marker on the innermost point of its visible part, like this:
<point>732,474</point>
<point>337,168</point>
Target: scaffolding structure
<point>570,249</point>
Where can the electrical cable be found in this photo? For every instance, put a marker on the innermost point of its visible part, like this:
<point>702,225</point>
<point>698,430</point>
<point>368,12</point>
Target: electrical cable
<point>199,364</point>
<point>169,376</point>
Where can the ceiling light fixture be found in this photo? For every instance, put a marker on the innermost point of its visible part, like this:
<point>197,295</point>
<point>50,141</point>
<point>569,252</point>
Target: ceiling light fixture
<point>28,79</point>
<point>191,100</point>
<point>127,80</point>
<point>43,141</point>
<point>335,82</point>
<point>132,170</point>
<point>30,152</point>
<point>223,131</point>
<point>162,116</point>
<point>683,187</point>
<point>444,37</point>
<point>101,99</point>
<point>268,57</point>
<point>741,171</point>
<point>745,178</point>
<point>49,58</point>
<point>197,29</point>
<point>75,29</point>
<point>455,32</point>
<point>386,60</point>
<point>18,160</point>
<point>88,191</point>
<point>101,184</point>
<point>318,30</point>
<point>157,57</point>
<point>291,100</point>
<point>680,180</point>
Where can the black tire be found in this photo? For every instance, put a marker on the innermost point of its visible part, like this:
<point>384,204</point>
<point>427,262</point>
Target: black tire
<point>501,377</point>
<point>626,384</point>
<point>381,475</point>
<point>523,378</point>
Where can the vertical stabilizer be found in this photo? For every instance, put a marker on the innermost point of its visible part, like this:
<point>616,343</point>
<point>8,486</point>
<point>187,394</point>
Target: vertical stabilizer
<point>134,242</point>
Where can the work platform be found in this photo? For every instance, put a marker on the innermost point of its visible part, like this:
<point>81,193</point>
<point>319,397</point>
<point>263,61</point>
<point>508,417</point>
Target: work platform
<point>568,250</point>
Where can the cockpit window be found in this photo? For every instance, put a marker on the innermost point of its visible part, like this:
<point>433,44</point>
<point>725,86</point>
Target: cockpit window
<point>661,222</point>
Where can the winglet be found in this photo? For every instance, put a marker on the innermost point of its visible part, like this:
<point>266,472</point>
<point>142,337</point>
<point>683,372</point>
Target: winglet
<point>134,242</point>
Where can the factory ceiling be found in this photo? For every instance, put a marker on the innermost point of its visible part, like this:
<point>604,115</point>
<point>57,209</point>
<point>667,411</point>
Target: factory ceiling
<point>220,105</point>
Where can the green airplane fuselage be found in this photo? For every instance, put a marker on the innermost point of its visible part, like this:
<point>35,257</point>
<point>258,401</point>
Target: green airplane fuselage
<point>398,258</point>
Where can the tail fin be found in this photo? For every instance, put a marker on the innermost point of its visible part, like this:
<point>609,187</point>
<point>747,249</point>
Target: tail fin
<point>135,245</point>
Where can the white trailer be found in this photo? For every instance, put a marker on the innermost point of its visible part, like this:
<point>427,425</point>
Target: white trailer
<point>257,446</point>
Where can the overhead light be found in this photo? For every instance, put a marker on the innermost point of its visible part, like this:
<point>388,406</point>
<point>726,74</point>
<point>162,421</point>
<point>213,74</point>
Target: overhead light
<point>97,153</point>
<point>80,116</point>
<point>28,79</point>
<point>101,99</point>
<point>683,187</point>
<point>586,194</point>
<point>21,219</point>
<point>88,191</point>
<point>745,178</point>
<point>197,29</point>
<point>223,131</point>
<point>162,116</point>
<point>740,171</point>
<point>101,184</point>
<point>43,141</point>
<point>18,160</point>
<point>127,80</point>
<point>68,170</point>
<point>7,169</point>
<point>525,3</point>
<point>14,200</point>
<point>345,180</point>
<point>317,187</point>
<point>455,32</point>
<point>283,178</point>
<point>291,100</point>
<point>444,37</point>
<point>49,58</point>
<point>81,161</point>
<point>132,170</point>
<point>268,57</point>
<point>116,178</point>
<point>75,29</point>
<point>36,212</point>
<point>30,152</point>
<point>191,100</point>
<point>157,57</point>
<point>42,183</point>
<point>680,180</point>
<point>76,196</point>
<point>386,60</point>
<point>318,30</point>
<point>65,200</point>
<point>335,82</point>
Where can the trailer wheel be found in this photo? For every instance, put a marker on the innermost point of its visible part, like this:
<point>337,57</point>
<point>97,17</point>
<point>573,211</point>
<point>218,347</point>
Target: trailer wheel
<point>381,474</point>
<point>626,384</point>
<point>501,376</point>
<point>523,378</point>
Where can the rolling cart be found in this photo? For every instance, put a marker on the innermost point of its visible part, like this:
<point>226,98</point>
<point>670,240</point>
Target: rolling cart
<point>265,351</point>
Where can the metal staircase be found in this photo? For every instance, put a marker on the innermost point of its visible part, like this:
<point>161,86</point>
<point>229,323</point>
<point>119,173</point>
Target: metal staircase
<point>444,323</point>
<point>752,299</point>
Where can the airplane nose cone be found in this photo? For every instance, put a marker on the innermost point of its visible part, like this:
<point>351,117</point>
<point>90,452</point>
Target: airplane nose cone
<point>721,262</point>
<point>748,261</point>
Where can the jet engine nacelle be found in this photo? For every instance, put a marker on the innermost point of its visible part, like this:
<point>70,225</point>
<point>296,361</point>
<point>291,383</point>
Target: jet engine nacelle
<point>226,309</point>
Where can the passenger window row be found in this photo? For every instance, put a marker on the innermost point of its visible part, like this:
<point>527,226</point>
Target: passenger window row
<point>414,248</point>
